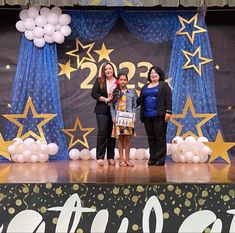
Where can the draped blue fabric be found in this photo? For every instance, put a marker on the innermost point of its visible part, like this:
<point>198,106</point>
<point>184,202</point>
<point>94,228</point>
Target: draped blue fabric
<point>37,77</point>
<point>187,82</point>
<point>92,25</point>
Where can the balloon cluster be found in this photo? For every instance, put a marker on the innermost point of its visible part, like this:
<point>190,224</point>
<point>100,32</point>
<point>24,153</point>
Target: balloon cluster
<point>31,151</point>
<point>189,150</point>
<point>85,154</point>
<point>44,25</point>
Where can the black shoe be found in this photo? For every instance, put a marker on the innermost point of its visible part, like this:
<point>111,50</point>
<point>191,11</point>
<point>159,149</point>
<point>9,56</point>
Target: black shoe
<point>151,163</point>
<point>159,164</point>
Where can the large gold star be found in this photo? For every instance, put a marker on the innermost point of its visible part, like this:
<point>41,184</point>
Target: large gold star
<point>219,148</point>
<point>8,67</point>
<point>4,148</point>
<point>66,69</point>
<point>29,106</point>
<point>203,60</point>
<point>78,125</point>
<point>189,105</point>
<point>88,58</point>
<point>194,20</point>
<point>103,53</point>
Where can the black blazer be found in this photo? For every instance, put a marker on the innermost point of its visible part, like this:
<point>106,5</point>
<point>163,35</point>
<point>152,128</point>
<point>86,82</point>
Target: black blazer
<point>164,100</point>
<point>96,93</point>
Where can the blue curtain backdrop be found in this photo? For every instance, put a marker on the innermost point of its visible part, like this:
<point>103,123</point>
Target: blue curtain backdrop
<point>37,77</point>
<point>37,68</point>
<point>158,27</point>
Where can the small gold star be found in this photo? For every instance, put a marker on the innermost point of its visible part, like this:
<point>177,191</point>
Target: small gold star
<point>103,53</point>
<point>9,105</point>
<point>189,105</point>
<point>230,108</point>
<point>203,59</point>
<point>66,69</point>
<point>8,67</point>
<point>78,125</point>
<point>217,67</point>
<point>194,20</point>
<point>29,106</point>
<point>4,148</point>
<point>88,58</point>
<point>219,148</point>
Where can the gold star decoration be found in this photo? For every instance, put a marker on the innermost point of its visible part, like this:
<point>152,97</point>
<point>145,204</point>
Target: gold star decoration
<point>103,53</point>
<point>219,148</point>
<point>78,46</point>
<point>4,148</point>
<point>8,105</point>
<point>66,69</point>
<point>189,105</point>
<point>194,20</point>
<point>217,67</point>
<point>229,108</point>
<point>29,106</point>
<point>77,126</point>
<point>187,64</point>
<point>8,67</point>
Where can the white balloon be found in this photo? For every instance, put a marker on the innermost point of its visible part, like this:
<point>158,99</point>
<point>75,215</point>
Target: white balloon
<point>20,26</point>
<point>20,148</point>
<point>64,19</point>
<point>39,42</point>
<point>52,148</point>
<point>182,159</point>
<point>44,148</point>
<point>45,11</point>
<point>93,153</point>
<point>49,39</point>
<point>29,35</point>
<point>176,157</point>
<point>173,148</point>
<point>65,30</point>
<point>38,32</point>
<point>206,150</point>
<point>29,24</point>
<point>196,159</point>
<point>140,154</point>
<point>27,155</point>
<point>58,37</point>
<point>40,141</point>
<point>29,141</point>
<point>177,140</point>
<point>56,10</point>
<point>17,141</point>
<point>42,158</point>
<point>168,150</point>
<point>190,140</point>
<point>20,158</point>
<point>74,154</point>
<point>189,156</point>
<point>58,27</point>
<point>23,14</point>
<point>33,159</point>
<point>49,29</point>
<point>33,12</point>
<point>85,154</point>
<point>203,158</point>
<point>14,157</point>
<point>53,19</point>
<point>40,21</point>
<point>11,149</point>
<point>202,139</point>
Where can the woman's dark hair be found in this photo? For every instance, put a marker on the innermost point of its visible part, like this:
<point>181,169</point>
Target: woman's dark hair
<point>159,72</point>
<point>102,78</point>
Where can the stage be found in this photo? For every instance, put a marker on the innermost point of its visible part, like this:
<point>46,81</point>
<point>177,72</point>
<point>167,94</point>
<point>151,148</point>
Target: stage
<point>88,172</point>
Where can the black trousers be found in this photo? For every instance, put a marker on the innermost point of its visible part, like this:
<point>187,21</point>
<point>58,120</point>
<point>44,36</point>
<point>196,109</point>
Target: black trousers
<point>104,139</point>
<point>156,131</point>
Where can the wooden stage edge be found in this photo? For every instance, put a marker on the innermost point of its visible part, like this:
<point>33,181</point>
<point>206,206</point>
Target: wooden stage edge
<point>88,172</point>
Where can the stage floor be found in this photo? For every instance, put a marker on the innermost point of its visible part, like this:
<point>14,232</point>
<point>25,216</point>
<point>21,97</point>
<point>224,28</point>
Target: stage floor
<point>88,172</point>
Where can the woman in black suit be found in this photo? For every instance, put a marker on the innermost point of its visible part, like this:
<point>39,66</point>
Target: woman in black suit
<point>155,110</point>
<point>102,92</point>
